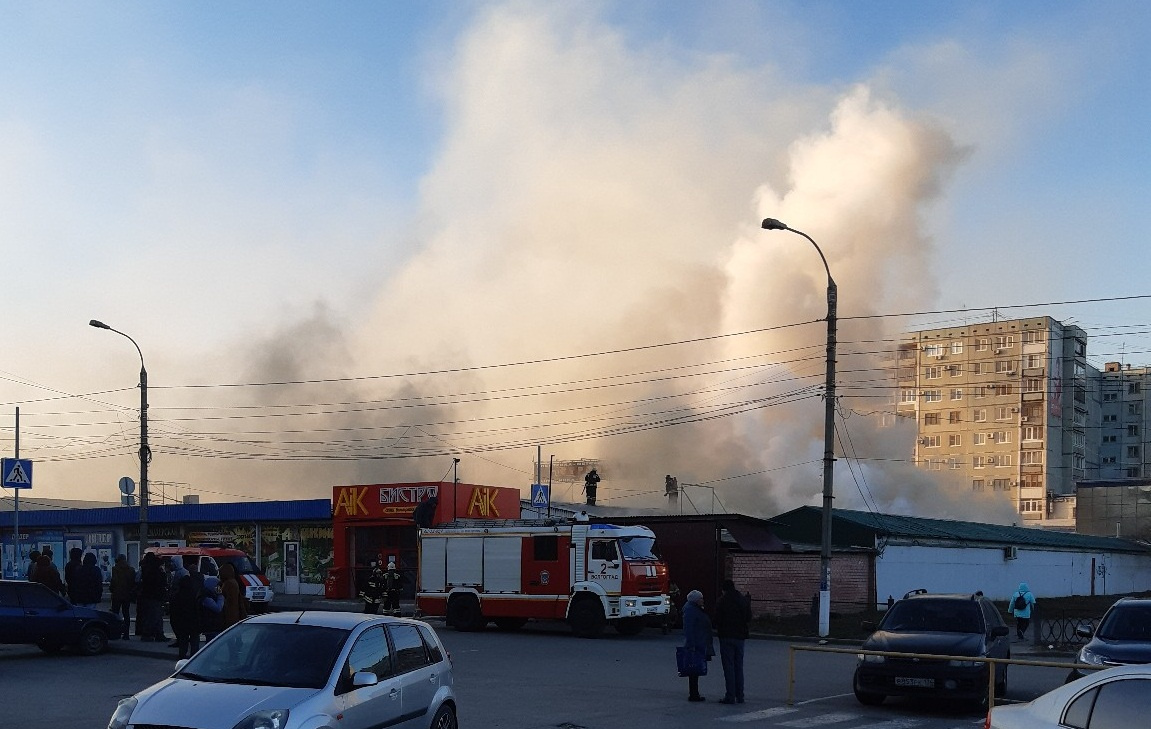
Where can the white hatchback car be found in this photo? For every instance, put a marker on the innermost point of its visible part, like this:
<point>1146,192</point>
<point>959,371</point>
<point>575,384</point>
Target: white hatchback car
<point>1114,698</point>
<point>313,669</point>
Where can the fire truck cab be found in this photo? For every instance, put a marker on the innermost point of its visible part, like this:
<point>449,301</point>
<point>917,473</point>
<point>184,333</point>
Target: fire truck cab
<point>511,571</point>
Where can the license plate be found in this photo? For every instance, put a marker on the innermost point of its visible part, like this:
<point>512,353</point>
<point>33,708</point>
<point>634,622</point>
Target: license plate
<point>920,682</point>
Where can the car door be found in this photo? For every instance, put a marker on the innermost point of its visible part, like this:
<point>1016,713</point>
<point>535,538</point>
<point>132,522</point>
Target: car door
<point>11,613</point>
<point>370,706</point>
<point>47,616</point>
<point>419,678</point>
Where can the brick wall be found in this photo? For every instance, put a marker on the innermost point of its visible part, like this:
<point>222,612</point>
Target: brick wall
<point>784,584</point>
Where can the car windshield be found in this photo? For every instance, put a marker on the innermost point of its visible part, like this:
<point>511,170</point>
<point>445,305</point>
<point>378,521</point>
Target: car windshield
<point>1127,622</point>
<point>264,654</point>
<point>243,564</point>
<point>637,547</point>
<point>934,616</point>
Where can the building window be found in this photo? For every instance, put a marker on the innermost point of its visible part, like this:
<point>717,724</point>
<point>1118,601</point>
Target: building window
<point>982,344</point>
<point>1108,461</point>
<point>954,464</point>
<point>1002,413</point>
<point>1032,480</point>
<point>1033,384</point>
<point>1110,418</point>
<point>1005,459</point>
<point>978,438</point>
<point>1133,388</point>
<point>931,418</point>
<point>1001,436</point>
<point>1004,341</point>
<point>1133,430</point>
<point>957,346</point>
<point>1132,451</point>
<point>932,395</point>
<point>1134,408</point>
<point>933,350</point>
<point>954,417</point>
<point>1004,365</point>
<point>1110,396</point>
<point>979,415</point>
<point>1110,439</point>
<point>978,461</point>
<point>955,439</point>
<point>976,484</point>
<point>1000,484</point>
<point>979,368</point>
<point>1003,389</point>
<point>932,373</point>
<point>907,396</point>
<point>1031,458</point>
<point>931,441</point>
<point>954,371</point>
<point>1031,506</point>
<point>1032,336</point>
<point>1133,472</point>
<point>1032,432</point>
<point>957,393</point>
<point>1034,361</point>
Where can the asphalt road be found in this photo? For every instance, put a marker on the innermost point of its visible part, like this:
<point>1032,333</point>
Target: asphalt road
<point>541,677</point>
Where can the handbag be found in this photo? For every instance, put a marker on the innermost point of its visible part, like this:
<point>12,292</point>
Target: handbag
<point>690,662</point>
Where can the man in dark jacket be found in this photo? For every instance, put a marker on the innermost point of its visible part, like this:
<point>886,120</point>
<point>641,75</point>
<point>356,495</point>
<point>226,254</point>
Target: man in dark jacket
<point>152,593</point>
<point>86,586</point>
<point>184,607</point>
<point>732,617</point>
<point>71,567</point>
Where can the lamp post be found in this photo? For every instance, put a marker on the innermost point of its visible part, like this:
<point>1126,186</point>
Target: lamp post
<point>145,452</point>
<point>828,436</point>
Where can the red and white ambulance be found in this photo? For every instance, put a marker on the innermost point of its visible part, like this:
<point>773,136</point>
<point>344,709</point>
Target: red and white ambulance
<point>510,571</point>
<point>257,587</point>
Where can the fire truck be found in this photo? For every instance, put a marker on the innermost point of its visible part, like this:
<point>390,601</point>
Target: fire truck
<point>511,571</point>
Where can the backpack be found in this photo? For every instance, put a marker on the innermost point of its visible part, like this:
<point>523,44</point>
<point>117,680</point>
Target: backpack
<point>1020,602</point>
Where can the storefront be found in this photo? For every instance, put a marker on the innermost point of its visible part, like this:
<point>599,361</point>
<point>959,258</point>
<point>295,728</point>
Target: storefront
<point>371,523</point>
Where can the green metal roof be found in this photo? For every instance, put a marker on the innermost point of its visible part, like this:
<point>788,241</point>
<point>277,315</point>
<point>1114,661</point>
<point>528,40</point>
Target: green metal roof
<point>803,524</point>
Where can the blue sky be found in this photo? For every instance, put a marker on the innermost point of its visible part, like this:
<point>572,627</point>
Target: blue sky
<point>311,191</point>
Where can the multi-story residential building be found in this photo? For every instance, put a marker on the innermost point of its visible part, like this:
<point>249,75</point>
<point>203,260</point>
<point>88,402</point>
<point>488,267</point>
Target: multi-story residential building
<point>1005,407</point>
<point>1123,425</point>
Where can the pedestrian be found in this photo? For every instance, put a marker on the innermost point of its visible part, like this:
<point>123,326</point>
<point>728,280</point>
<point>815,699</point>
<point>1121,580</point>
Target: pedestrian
<point>33,556</point>
<point>393,587</point>
<point>47,574</point>
<point>732,619</point>
<point>235,606</point>
<point>211,608</point>
<point>373,592</point>
<point>150,596</point>
<point>696,637</point>
<point>71,567</point>
<point>122,586</point>
<point>184,607</point>
<point>1022,602</point>
<point>86,587</point>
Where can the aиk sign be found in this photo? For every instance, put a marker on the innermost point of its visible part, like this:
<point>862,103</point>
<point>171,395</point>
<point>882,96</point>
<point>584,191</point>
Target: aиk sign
<point>17,473</point>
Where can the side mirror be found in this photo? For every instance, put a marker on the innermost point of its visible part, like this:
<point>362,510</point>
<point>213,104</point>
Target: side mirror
<point>999,631</point>
<point>1085,630</point>
<point>364,678</point>
<point>180,664</point>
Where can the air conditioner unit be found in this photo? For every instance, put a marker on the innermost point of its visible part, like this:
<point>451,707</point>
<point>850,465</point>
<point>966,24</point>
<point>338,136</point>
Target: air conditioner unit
<point>1024,419</point>
<point>1011,553</point>
<point>1014,410</point>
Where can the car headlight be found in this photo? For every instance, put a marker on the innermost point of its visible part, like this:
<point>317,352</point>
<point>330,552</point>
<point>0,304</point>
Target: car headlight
<point>629,603</point>
<point>867,658</point>
<point>1090,657</point>
<point>123,713</point>
<point>274,719</point>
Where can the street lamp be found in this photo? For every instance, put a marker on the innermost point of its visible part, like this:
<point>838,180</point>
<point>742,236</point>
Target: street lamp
<point>828,437</point>
<point>145,452</point>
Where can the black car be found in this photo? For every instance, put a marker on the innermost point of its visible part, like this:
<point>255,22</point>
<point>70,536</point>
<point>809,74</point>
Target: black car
<point>31,613</point>
<point>1123,637</point>
<point>966,626</point>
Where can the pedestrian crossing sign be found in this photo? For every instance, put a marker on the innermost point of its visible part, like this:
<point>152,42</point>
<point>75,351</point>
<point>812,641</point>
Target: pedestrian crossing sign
<point>17,473</point>
<point>541,496</point>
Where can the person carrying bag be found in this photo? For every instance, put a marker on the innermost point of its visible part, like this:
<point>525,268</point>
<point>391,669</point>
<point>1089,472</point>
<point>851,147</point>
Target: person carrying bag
<point>698,645</point>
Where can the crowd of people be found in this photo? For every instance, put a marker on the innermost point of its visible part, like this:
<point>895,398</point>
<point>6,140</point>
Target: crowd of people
<point>197,605</point>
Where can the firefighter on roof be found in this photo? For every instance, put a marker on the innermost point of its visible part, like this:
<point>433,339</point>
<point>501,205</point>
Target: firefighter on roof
<point>590,482</point>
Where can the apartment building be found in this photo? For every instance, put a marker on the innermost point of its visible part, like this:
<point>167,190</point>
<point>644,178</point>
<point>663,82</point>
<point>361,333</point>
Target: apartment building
<point>1005,407</point>
<point>1123,422</point>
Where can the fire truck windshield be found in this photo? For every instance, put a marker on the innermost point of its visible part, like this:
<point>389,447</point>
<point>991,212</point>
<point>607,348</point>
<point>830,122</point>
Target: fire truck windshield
<point>637,547</point>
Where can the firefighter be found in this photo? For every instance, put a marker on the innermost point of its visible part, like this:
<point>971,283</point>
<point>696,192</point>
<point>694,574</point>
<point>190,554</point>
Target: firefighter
<point>393,584</point>
<point>373,591</point>
<point>590,482</point>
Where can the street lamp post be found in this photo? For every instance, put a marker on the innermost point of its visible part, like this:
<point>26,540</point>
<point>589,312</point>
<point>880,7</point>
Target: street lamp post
<point>828,437</point>
<point>145,452</point>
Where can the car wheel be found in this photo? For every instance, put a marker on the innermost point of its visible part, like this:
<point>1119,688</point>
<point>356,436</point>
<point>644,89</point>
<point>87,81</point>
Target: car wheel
<point>445,718</point>
<point>93,641</point>
<point>586,618</point>
<point>464,613</point>
<point>629,626</point>
<point>511,623</point>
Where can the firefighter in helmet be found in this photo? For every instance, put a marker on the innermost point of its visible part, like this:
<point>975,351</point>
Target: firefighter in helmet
<point>393,586</point>
<point>373,592</point>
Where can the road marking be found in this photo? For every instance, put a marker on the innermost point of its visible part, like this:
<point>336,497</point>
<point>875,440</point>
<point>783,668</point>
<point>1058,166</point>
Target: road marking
<point>819,720</point>
<point>757,715</point>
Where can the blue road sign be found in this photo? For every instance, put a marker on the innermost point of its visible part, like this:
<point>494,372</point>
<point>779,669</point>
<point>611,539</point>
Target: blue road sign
<point>541,495</point>
<point>17,473</point>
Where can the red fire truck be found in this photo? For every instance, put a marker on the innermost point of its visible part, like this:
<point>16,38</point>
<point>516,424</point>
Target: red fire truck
<point>510,571</point>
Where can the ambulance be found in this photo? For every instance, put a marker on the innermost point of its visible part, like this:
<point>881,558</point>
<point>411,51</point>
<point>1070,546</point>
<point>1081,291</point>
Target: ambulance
<point>257,588</point>
<point>510,571</point>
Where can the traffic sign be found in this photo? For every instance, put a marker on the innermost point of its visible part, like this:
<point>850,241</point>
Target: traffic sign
<point>541,496</point>
<point>17,473</point>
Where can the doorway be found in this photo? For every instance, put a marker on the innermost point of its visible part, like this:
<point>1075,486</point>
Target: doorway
<point>292,568</point>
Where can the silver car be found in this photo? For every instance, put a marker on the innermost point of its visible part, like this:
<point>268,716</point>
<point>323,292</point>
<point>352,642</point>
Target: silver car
<point>305,669</point>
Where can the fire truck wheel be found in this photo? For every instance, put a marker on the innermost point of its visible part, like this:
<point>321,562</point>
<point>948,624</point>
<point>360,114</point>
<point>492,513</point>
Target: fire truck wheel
<point>629,626</point>
<point>464,613</point>
<point>587,618</point>
<point>511,623</point>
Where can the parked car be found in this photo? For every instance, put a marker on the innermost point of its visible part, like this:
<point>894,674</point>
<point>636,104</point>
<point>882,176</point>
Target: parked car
<point>31,613</point>
<point>305,669</point>
<point>1114,698</point>
<point>1122,638</point>
<point>257,587</point>
<point>967,626</point>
